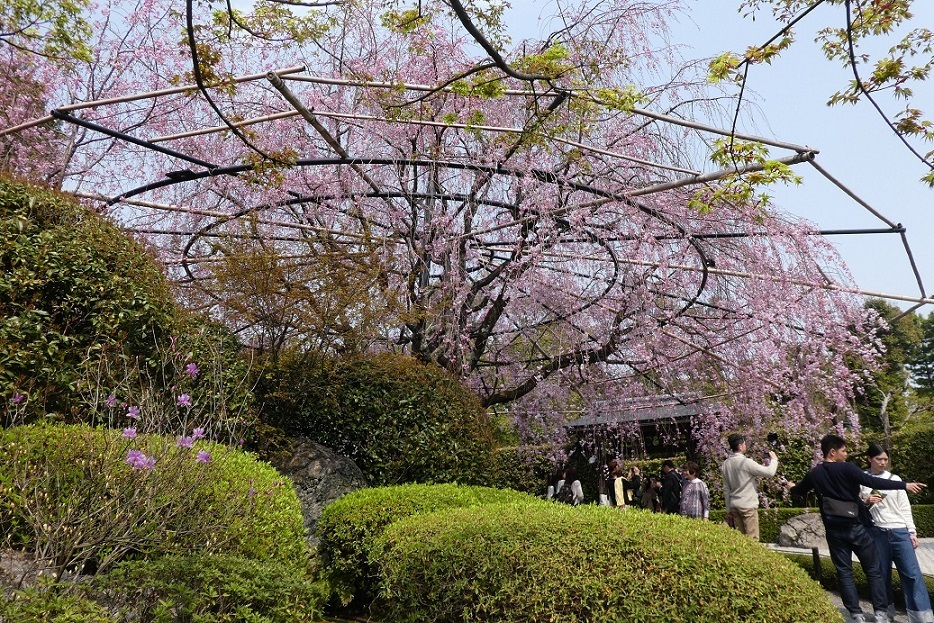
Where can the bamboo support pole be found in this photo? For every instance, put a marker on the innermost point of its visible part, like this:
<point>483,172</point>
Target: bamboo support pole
<point>428,123</point>
<point>309,116</point>
<point>851,194</point>
<point>223,215</point>
<point>139,96</point>
<point>717,175</point>
<point>637,111</point>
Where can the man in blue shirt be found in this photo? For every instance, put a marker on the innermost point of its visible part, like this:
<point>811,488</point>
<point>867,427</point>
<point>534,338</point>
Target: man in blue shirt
<point>847,522</point>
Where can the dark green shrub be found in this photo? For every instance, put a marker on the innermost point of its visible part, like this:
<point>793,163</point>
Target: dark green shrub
<point>349,526</point>
<point>49,604</point>
<point>69,495</point>
<point>73,289</point>
<point>209,589</point>
<point>543,562</point>
<point>770,520</point>
<point>911,457</point>
<point>85,313</point>
<point>923,515</point>
<point>399,420</point>
<point>828,577</point>
<point>521,469</point>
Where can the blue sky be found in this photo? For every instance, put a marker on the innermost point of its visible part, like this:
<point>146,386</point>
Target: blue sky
<point>855,145</point>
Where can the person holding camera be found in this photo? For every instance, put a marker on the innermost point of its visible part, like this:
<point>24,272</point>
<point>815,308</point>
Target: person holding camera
<point>847,522</point>
<point>739,486</point>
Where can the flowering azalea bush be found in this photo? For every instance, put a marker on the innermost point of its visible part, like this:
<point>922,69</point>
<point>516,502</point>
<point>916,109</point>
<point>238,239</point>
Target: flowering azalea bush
<point>89,331</point>
<point>82,499</point>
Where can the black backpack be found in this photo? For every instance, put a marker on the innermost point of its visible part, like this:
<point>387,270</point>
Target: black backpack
<point>565,494</point>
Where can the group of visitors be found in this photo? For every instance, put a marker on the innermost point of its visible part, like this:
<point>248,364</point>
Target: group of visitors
<point>675,491</point>
<point>865,513</point>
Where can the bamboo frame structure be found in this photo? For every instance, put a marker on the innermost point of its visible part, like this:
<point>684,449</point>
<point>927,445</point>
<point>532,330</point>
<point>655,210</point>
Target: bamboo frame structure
<point>279,79</point>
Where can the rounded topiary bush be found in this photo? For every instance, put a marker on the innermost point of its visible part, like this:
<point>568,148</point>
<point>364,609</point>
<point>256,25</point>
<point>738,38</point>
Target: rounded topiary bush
<point>83,499</point>
<point>398,419</point>
<point>73,288</point>
<point>350,525</point>
<point>536,562</point>
<point>208,589</point>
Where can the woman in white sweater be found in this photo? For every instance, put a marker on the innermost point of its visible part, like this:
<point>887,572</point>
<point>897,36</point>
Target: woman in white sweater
<point>896,539</point>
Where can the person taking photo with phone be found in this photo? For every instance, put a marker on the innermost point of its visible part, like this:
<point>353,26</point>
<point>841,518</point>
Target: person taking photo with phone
<point>739,486</point>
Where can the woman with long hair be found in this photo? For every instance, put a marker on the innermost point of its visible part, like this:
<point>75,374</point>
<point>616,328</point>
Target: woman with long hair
<point>896,539</point>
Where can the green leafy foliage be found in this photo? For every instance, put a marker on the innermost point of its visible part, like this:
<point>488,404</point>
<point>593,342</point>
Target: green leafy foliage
<point>872,38</point>
<point>911,457</point>
<point>349,526</point>
<point>69,496</point>
<point>86,312</point>
<point>522,469</point>
<point>209,589</point>
<point>922,364</point>
<point>923,515</point>
<point>883,403</point>
<point>742,187</point>
<point>73,289</point>
<point>55,28</point>
<point>398,419</point>
<point>828,577</point>
<point>46,604</point>
<point>536,561</point>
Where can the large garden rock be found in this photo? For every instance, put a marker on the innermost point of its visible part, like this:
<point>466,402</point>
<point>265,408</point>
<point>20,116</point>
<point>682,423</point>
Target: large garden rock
<point>319,476</point>
<point>805,530</point>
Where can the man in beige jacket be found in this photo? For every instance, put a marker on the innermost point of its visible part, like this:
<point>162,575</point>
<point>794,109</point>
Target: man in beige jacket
<point>739,486</point>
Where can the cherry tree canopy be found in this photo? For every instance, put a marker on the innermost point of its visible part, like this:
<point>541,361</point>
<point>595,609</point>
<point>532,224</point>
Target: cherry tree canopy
<point>538,217</point>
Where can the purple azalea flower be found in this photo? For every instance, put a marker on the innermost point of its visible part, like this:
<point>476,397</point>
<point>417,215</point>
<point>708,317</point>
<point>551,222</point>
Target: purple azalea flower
<point>111,401</point>
<point>17,398</point>
<point>129,433</point>
<point>138,460</point>
<point>197,433</point>
<point>192,370</point>
<point>203,457</point>
<point>133,412</point>
<point>185,442</point>
<point>184,400</point>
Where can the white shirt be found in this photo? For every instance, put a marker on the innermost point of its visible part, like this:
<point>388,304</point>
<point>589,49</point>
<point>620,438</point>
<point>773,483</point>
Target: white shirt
<point>739,480</point>
<point>894,511</point>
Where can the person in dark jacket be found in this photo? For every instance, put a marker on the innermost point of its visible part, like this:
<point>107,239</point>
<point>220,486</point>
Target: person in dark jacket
<point>847,522</point>
<point>671,488</point>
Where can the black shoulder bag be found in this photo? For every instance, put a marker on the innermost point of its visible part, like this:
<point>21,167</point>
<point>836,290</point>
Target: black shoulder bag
<point>839,508</point>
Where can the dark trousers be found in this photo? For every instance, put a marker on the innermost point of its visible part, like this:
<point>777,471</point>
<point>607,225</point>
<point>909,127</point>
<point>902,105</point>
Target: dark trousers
<point>844,541</point>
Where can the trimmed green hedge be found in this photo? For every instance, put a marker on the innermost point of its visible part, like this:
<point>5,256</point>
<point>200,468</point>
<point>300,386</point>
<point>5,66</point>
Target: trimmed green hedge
<point>73,289</point>
<point>911,457</point>
<point>349,526</point>
<point>537,562</point>
<point>398,419</point>
<point>197,587</point>
<point>68,494</point>
<point>771,520</point>
<point>209,589</point>
<point>828,578</point>
<point>521,469</point>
